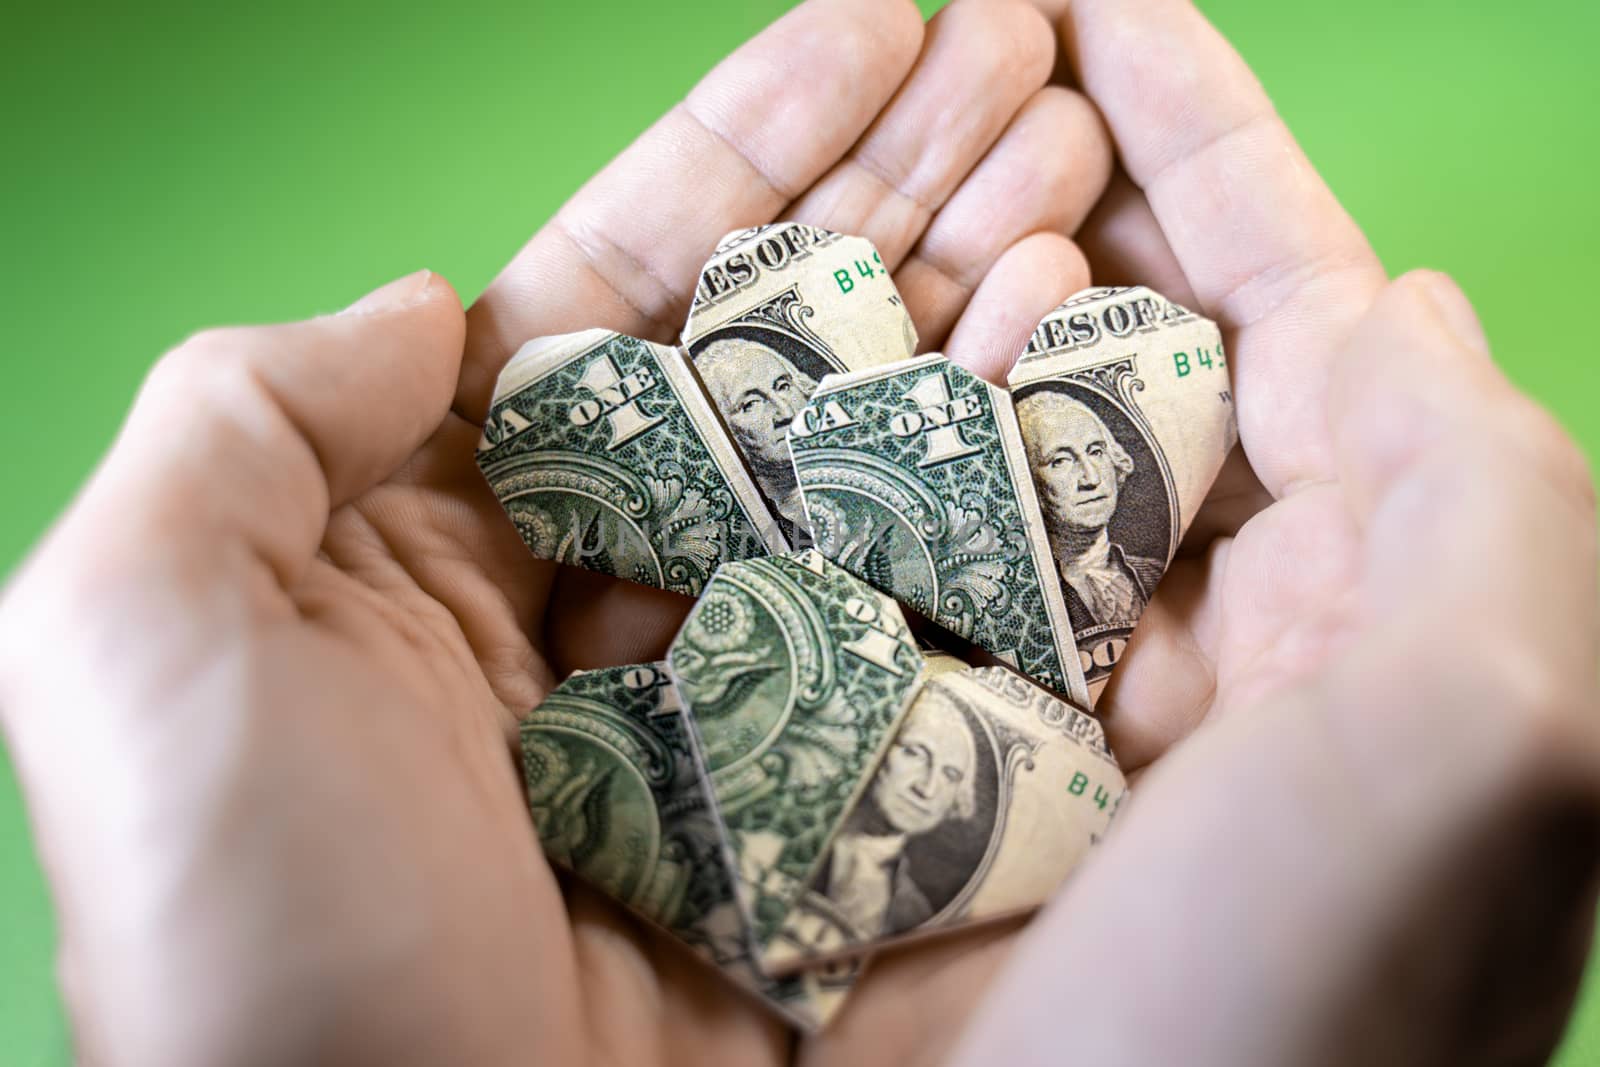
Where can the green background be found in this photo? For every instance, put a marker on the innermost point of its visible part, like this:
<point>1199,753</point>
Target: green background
<point>192,164</point>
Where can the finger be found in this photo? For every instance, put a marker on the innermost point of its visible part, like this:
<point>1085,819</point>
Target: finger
<point>1235,498</point>
<point>1343,855</point>
<point>1043,175</point>
<point>1164,696</point>
<point>1028,280</point>
<point>674,1000</point>
<point>983,59</point>
<point>1454,739</point>
<point>1125,246</point>
<point>1267,249</point>
<point>251,435</point>
<point>624,253</point>
<point>1410,386</point>
<point>1417,395</point>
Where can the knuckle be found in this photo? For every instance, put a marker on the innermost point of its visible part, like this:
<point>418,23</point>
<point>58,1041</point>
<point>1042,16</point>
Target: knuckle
<point>197,355</point>
<point>1553,449</point>
<point>1549,716</point>
<point>1415,283</point>
<point>207,361</point>
<point>210,345</point>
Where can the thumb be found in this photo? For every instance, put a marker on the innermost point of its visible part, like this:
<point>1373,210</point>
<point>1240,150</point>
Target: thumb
<point>246,437</point>
<point>1393,859</point>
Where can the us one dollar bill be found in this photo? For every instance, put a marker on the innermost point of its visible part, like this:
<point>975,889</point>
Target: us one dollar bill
<point>604,453</point>
<point>619,800</point>
<point>914,478</point>
<point>776,309</point>
<point>1127,414</point>
<point>991,793</point>
<point>795,676</point>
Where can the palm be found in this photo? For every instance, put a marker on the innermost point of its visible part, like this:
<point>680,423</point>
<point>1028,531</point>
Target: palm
<point>972,210</point>
<point>1233,620</point>
<point>317,590</point>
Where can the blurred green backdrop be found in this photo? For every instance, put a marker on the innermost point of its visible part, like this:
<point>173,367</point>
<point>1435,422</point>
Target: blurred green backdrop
<point>189,164</point>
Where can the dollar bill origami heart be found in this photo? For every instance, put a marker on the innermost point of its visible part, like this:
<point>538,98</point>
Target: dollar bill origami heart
<point>911,587</point>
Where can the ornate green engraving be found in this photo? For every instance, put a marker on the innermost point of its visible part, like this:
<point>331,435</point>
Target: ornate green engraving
<point>795,675</point>
<point>618,799</point>
<point>597,455</point>
<point>908,484</point>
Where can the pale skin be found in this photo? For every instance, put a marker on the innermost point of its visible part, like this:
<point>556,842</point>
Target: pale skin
<point>259,681</point>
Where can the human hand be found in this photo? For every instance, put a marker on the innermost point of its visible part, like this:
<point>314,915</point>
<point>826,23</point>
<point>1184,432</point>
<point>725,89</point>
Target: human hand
<point>1381,848</point>
<point>303,545</point>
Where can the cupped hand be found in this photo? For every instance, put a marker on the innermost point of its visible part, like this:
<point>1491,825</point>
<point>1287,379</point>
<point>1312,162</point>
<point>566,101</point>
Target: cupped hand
<point>260,681</point>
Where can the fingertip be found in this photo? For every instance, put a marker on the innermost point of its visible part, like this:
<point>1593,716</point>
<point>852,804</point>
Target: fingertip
<point>446,313</point>
<point>1027,282</point>
<point>1039,44</point>
<point>869,49</point>
<point>1079,123</point>
<point>424,294</point>
<point>1382,410</point>
<point>1430,313</point>
<point>397,295</point>
<point>899,29</point>
<point>1053,10</point>
<point>1069,146</point>
<point>1015,33</point>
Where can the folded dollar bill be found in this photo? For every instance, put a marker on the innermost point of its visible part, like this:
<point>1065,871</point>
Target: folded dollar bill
<point>1127,415</point>
<point>612,453</point>
<point>605,455</point>
<point>914,478</point>
<point>795,675</point>
<point>618,799</point>
<point>798,784</point>
<point>776,308</point>
<point>990,794</point>
<point>1053,510</point>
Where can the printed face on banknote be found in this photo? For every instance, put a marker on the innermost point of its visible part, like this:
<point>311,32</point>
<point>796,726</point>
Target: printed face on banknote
<point>1126,410</point>
<point>1088,495</point>
<point>1077,465</point>
<point>915,479</point>
<point>758,391</point>
<point>777,309</point>
<point>928,772</point>
<point>991,792</point>
<point>927,779</point>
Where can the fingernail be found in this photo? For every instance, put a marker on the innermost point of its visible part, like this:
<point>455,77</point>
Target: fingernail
<point>398,294</point>
<point>1457,312</point>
